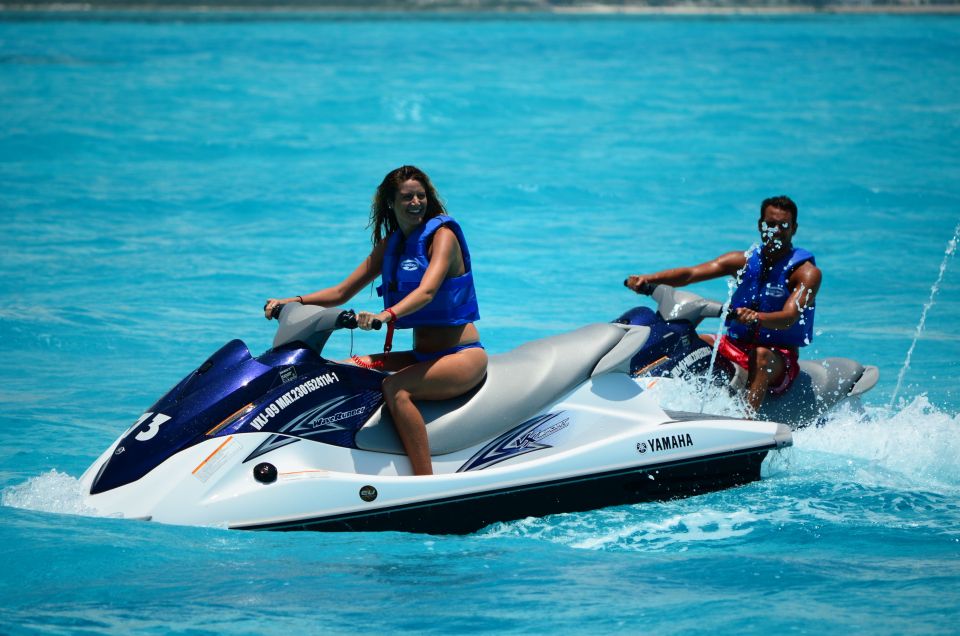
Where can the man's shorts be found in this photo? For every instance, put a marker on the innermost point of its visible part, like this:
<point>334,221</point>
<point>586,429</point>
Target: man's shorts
<point>739,353</point>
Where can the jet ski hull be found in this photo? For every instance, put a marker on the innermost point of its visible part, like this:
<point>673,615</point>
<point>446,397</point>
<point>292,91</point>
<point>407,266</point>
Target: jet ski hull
<point>292,441</point>
<point>468,513</point>
<point>578,456</point>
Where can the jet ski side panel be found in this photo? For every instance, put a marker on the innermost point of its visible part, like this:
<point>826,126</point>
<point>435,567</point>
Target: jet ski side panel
<point>468,513</point>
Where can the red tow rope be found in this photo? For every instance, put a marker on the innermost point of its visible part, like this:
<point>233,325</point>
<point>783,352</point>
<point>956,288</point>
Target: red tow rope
<point>387,346</point>
<point>388,341</point>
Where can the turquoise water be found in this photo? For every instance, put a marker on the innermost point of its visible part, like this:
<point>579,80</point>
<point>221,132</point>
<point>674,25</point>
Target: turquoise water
<point>161,175</point>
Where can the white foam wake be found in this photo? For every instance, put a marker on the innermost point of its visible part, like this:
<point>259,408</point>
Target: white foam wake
<point>914,443</point>
<point>648,527</point>
<point>49,492</point>
<point>914,439</point>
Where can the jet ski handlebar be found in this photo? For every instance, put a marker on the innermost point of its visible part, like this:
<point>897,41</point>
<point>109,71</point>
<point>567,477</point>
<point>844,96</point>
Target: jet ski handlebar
<point>646,289</point>
<point>313,325</point>
<point>346,320</point>
<point>674,304</point>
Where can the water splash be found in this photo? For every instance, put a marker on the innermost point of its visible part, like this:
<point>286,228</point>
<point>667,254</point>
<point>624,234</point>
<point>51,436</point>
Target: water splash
<point>692,393</point>
<point>732,285</point>
<point>951,248</point>
<point>50,492</point>
<point>912,446</point>
<point>656,527</point>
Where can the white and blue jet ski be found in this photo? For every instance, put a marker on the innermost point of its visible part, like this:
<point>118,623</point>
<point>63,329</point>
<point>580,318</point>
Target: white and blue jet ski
<point>292,441</point>
<point>674,351</point>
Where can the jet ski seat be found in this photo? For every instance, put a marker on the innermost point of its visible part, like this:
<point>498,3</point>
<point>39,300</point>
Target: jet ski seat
<point>518,385</point>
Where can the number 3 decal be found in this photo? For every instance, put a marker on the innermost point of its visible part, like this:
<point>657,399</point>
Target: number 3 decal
<point>153,425</point>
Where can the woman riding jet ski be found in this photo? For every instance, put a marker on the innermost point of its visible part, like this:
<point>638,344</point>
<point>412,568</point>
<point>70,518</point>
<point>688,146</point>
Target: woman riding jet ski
<point>290,440</point>
<point>422,257</point>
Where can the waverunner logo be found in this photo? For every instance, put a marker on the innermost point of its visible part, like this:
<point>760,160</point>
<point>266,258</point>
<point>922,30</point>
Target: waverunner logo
<point>409,265</point>
<point>319,420</point>
<point>306,388</point>
<point>523,439</point>
<point>329,421</point>
<point>667,442</point>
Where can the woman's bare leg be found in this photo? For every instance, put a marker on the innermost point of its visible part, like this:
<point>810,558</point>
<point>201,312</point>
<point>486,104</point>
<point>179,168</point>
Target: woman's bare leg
<point>441,379</point>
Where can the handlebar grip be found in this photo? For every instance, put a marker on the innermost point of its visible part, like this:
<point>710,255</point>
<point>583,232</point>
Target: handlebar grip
<point>275,314</point>
<point>348,320</point>
<point>646,289</point>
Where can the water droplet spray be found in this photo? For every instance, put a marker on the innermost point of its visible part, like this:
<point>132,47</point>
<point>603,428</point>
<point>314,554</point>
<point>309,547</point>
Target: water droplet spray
<point>951,248</point>
<point>732,285</point>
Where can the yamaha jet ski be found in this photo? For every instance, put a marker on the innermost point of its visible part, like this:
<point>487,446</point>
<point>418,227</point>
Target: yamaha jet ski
<point>674,350</point>
<point>290,440</point>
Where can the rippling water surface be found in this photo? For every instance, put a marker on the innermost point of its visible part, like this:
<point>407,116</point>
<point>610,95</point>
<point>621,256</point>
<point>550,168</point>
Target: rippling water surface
<point>161,176</point>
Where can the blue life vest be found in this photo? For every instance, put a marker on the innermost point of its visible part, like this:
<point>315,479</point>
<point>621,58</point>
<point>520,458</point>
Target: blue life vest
<point>405,262</point>
<point>768,292</point>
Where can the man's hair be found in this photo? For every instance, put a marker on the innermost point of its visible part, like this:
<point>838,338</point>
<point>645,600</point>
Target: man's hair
<point>781,202</point>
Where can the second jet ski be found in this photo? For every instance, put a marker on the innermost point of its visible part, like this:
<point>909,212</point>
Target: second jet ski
<point>675,350</point>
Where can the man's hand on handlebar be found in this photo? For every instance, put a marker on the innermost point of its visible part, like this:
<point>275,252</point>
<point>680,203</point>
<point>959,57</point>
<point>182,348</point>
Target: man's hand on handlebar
<point>640,283</point>
<point>746,315</point>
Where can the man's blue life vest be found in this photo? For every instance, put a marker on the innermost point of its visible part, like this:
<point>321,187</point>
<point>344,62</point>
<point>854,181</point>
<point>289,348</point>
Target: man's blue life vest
<point>767,292</point>
<point>405,262</point>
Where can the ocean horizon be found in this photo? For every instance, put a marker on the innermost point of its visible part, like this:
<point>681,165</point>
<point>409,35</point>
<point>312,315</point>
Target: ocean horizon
<point>571,8</point>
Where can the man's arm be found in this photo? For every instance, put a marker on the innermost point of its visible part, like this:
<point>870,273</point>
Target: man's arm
<point>725,265</point>
<point>804,284</point>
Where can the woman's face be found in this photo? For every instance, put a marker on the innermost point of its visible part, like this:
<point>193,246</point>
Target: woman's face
<point>410,204</point>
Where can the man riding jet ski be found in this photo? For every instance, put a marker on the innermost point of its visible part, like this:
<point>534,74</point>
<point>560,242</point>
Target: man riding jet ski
<point>292,441</point>
<point>674,351</point>
<point>771,311</point>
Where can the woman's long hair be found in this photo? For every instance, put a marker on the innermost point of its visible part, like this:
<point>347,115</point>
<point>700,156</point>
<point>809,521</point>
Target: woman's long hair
<point>382,218</point>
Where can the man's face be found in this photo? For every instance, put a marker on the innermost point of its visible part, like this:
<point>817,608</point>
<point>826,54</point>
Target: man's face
<point>776,229</point>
